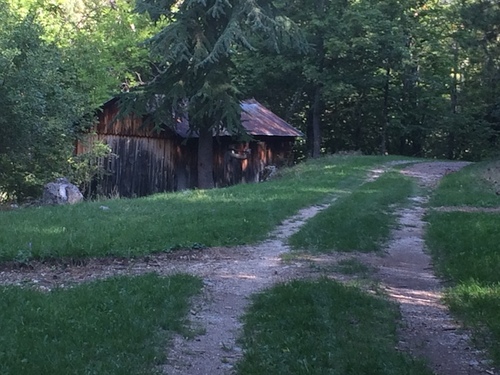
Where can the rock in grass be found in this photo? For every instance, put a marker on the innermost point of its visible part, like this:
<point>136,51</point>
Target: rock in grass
<point>61,191</point>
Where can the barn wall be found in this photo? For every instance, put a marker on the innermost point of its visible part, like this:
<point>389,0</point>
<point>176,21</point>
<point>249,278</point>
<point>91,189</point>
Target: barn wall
<point>142,166</point>
<point>131,126</point>
<point>229,169</point>
<point>145,162</point>
<point>142,162</point>
<point>137,166</point>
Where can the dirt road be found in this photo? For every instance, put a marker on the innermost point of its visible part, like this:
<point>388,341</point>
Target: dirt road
<point>231,275</point>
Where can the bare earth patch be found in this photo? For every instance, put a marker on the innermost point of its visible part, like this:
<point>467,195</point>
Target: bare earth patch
<point>231,275</point>
<point>407,276</point>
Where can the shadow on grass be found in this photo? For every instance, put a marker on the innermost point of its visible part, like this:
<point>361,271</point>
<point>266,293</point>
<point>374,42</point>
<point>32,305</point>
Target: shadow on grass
<point>322,327</point>
<point>474,185</point>
<point>116,326</point>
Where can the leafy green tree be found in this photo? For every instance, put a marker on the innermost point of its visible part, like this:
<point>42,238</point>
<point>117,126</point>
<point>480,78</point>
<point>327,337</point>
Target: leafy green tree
<point>59,61</point>
<point>193,57</point>
<point>101,40</point>
<point>451,94</point>
<point>477,38</point>
<point>345,89</point>
<point>409,77</point>
<point>38,107</point>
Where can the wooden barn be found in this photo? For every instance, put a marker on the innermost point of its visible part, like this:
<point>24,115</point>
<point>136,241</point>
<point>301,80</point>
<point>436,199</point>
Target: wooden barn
<point>145,161</point>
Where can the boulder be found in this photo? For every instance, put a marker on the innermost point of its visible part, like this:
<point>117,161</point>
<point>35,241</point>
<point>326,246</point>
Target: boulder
<point>268,173</point>
<point>61,191</point>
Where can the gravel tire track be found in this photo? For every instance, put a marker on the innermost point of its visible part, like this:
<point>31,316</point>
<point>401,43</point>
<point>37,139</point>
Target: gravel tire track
<point>406,274</point>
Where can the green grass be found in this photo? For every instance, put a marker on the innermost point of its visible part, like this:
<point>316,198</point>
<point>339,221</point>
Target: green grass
<point>118,326</point>
<point>361,221</point>
<point>466,245</point>
<point>220,217</point>
<point>478,304</point>
<point>474,185</point>
<point>322,327</point>
<point>466,250</point>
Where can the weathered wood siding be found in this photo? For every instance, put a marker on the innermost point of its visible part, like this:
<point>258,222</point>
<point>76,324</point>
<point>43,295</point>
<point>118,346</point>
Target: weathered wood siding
<point>144,161</point>
<point>230,170</point>
<point>138,166</point>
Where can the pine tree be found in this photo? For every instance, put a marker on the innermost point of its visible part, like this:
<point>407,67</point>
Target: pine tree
<point>193,59</point>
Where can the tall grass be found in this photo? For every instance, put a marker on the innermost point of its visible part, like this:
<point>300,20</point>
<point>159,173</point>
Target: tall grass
<point>322,327</point>
<point>361,221</point>
<point>220,217</point>
<point>113,327</point>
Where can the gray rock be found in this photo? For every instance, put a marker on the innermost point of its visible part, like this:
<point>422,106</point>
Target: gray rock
<point>61,191</point>
<point>268,173</point>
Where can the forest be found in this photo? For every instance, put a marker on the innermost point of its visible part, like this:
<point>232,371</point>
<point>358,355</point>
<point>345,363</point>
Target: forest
<point>408,77</point>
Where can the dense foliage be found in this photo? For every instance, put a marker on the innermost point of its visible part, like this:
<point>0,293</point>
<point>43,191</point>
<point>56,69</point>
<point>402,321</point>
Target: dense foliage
<point>193,58</point>
<point>411,77</point>
<point>35,129</point>
<point>58,62</point>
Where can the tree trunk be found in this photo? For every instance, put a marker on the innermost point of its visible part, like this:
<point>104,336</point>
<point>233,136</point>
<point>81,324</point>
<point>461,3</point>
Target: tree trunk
<point>385,120</point>
<point>453,101</point>
<point>205,159</point>
<point>316,106</point>
<point>316,124</point>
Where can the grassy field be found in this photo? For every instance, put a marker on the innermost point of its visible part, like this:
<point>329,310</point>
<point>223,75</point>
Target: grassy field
<point>113,327</point>
<point>120,325</point>
<point>221,217</point>
<point>360,221</point>
<point>475,185</point>
<point>466,248</point>
<point>323,327</point>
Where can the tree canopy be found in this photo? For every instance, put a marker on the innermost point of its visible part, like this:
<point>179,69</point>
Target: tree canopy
<point>59,62</point>
<point>193,57</point>
<point>411,77</point>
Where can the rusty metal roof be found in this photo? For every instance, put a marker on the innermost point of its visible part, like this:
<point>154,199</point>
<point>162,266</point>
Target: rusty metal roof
<point>256,119</point>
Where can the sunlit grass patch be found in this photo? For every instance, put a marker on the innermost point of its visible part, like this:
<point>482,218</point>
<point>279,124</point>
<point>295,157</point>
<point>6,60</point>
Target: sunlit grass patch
<point>236,215</point>
<point>117,326</point>
<point>322,327</point>
<point>360,221</point>
<point>479,305</point>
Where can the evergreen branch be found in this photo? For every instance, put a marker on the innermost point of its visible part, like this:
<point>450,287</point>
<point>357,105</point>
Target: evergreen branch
<point>217,10</point>
<point>157,9</point>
